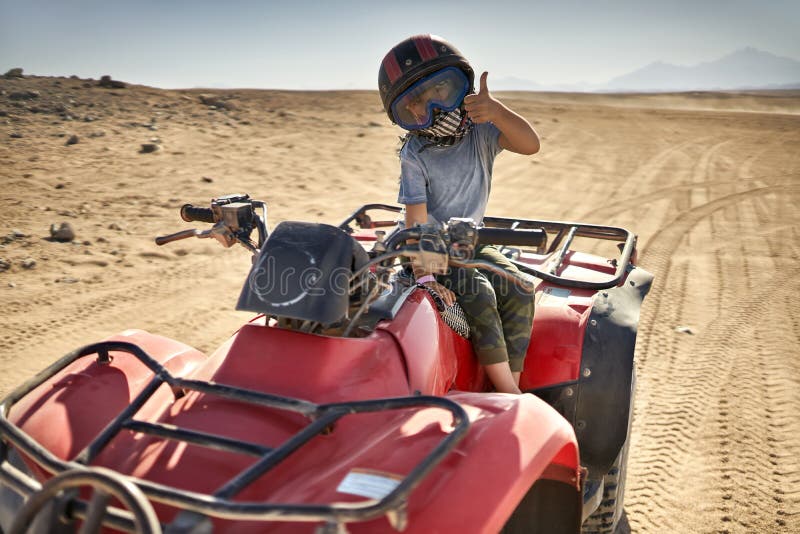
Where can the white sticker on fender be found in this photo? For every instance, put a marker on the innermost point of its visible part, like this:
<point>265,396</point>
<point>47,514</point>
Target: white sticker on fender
<point>554,296</point>
<point>367,483</point>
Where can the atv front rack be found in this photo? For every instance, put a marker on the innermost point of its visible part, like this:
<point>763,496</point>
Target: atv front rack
<point>219,504</point>
<point>563,235</point>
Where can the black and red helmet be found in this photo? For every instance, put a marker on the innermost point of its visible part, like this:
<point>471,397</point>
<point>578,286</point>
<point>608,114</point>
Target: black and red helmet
<point>413,59</point>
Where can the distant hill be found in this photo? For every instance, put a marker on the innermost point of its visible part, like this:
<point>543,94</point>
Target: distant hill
<point>747,68</point>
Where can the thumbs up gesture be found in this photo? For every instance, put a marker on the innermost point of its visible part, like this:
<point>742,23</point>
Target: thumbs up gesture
<point>481,107</point>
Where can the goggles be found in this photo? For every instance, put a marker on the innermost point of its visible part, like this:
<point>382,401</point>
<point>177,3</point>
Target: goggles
<point>443,90</point>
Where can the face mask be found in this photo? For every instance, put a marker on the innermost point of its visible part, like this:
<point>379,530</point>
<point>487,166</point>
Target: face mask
<point>447,128</point>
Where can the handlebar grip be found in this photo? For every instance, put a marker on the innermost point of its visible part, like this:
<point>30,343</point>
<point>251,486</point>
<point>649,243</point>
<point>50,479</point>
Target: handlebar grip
<point>532,237</point>
<point>191,213</point>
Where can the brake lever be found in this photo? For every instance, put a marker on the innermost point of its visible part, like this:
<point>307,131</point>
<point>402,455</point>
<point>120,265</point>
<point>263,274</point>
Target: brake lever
<point>183,234</point>
<point>219,231</point>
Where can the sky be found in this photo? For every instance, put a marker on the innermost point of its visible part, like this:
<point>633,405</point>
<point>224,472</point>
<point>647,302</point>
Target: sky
<point>339,44</point>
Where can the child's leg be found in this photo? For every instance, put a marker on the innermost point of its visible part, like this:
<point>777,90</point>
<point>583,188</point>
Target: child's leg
<point>476,297</point>
<point>515,307</point>
<point>503,379</point>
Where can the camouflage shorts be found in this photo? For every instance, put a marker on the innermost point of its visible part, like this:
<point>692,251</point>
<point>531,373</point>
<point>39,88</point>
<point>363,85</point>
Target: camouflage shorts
<point>500,313</point>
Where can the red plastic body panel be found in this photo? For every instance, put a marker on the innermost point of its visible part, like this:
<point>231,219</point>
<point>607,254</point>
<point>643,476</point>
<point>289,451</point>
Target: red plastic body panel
<point>65,413</point>
<point>311,367</point>
<point>554,353</point>
<point>437,358</point>
<point>511,442</point>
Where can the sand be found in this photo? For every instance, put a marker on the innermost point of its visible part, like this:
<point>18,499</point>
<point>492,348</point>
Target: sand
<point>710,182</point>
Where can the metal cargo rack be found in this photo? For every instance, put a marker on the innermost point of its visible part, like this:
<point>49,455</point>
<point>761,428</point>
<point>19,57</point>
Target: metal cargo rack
<point>197,507</point>
<point>564,233</point>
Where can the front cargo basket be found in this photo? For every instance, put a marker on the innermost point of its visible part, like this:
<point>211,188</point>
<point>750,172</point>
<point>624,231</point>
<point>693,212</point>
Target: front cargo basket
<point>220,503</point>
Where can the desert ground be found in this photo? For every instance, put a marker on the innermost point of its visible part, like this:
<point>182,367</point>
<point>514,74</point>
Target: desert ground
<point>710,182</point>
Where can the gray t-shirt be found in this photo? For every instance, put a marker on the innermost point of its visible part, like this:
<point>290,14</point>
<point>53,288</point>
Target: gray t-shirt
<point>453,181</point>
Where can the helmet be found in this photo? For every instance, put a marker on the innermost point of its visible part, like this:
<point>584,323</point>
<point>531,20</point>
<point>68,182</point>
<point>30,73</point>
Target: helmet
<point>413,59</point>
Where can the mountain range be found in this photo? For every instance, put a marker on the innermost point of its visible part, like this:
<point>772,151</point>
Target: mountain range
<point>748,68</point>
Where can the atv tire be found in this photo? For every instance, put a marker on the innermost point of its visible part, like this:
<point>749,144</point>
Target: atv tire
<point>606,518</point>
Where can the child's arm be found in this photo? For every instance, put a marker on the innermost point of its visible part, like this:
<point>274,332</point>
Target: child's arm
<point>516,133</point>
<point>418,214</point>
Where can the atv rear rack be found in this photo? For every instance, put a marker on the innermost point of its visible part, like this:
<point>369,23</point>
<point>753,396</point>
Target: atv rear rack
<point>219,504</point>
<point>564,234</point>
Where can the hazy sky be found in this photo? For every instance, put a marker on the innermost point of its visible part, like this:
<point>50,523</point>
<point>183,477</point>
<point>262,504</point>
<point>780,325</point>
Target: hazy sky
<point>301,44</point>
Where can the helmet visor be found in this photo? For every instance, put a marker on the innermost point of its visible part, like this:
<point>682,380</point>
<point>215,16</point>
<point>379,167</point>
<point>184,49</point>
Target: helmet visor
<point>443,90</point>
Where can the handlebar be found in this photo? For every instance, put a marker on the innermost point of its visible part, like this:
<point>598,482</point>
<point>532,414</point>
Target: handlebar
<point>532,237</point>
<point>190,213</point>
<point>234,217</point>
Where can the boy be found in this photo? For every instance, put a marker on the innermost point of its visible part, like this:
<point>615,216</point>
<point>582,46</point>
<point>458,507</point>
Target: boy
<point>446,169</point>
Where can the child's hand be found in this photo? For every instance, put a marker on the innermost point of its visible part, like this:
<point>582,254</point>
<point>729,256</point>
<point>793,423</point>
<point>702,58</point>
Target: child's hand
<point>481,107</point>
<point>448,296</point>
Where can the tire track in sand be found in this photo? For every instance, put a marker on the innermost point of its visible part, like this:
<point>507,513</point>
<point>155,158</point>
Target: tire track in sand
<point>718,427</point>
<point>716,436</point>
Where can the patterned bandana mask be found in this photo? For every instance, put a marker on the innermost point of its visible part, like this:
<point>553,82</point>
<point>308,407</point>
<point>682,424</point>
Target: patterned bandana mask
<point>447,128</point>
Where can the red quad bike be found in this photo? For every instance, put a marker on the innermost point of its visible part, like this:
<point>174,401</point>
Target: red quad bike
<point>352,403</point>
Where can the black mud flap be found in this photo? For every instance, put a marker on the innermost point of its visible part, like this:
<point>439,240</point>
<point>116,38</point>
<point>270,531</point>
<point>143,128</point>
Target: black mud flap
<point>602,402</point>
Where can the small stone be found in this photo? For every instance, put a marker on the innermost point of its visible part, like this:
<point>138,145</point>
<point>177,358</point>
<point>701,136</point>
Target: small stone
<point>684,330</point>
<point>72,140</point>
<point>14,73</point>
<point>87,243</point>
<point>28,263</point>
<point>15,135</point>
<point>66,280</point>
<point>115,226</point>
<point>67,213</point>
<point>12,284</point>
<point>214,103</point>
<point>208,179</point>
<point>149,148</point>
<point>24,95</point>
<point>59,186</point>
<point>4,265</point>
<point>106,81</point>
<point>17,234</point>
<point>63,233</point>
<point>101,239</point>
